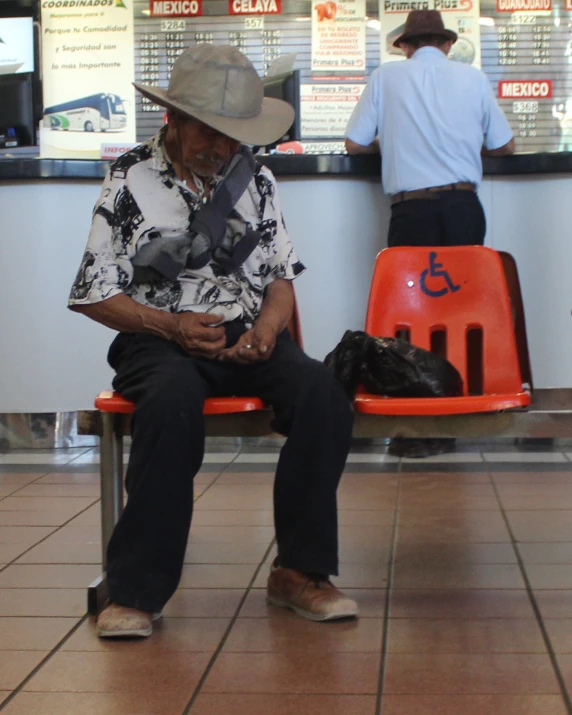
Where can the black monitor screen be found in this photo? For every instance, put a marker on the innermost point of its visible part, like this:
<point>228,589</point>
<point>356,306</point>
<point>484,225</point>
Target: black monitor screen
<point>16,106</point>
<point>286,87</point>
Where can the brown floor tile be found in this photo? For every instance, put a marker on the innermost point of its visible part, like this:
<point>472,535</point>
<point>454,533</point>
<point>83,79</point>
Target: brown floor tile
<point>52,517</point>
<point>437,487</point>
<point>565,666</point>
<point>541,525</point>
<point>472,576</point>
<point>90,517</point>
<point>452,527</point>
<point>488,635</point>
<point>509,674</point>
<point>160,703</point>
<point>240,497</point>
<point>231,534</point>
<point>473,705</point>
<point>216,575</point>
<point>560,633</point>
<point>49,576</point>
<point>442,478</point>
<point>203,603</point>
<point>24,535</point>
<point>226,517</point>
<point>413,504</point>
<point>418,556</point>
<point>60,490</point>
<point>261,635</point>
<point>9,552</point>
<point>361,576</point>
<point>554,604</point>
<point>371,604</point>
<point>7,489</point>
<point>19,479</point>
<point>283,705</point>
<point>225,553</point>
<point>75,534</point>
<point>265,478</point>
<point>550,576</point>
<point>548,501</point>
<point>53,553</point>
<point>332,673</point>
<point>115,672</point>
<point>367,500</point>
<point>171,635</point>
<point>363,517</point>
<point>550,553</point>
<point>532,477</point>
<point>33,633</point>
<point>380,534</point>
<point>15,665</point>
<point>70,478</point>
<point>43,503</point>
<point>368,555</point>
<point>460,603</point>
<point>51,602</point>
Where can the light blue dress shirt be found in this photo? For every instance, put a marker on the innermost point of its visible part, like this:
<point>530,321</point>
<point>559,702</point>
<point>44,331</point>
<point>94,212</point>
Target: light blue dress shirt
<point>432,116</point>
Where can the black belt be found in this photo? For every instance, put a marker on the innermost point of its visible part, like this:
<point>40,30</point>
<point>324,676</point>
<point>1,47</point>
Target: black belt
<point>432,193</point>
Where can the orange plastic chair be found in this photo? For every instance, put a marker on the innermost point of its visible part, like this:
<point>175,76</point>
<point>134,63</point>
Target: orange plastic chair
<point>110,401</point>
<point>456,303</point>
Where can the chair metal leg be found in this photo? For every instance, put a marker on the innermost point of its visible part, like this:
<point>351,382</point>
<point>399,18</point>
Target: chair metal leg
<point>111,480</point>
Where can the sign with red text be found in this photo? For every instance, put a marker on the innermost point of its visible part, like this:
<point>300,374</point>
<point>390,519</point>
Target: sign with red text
<point>532,6</point>
<point>176,8</point>
<point>461,16</point>
<point>325,109</point>
<point>254,7</point>
<point>338,36</point>
<point>525,89</point>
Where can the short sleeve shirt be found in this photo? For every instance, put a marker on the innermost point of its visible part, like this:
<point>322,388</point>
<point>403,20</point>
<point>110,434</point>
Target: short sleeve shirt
<point>432,116</point>
<point>143,199</point>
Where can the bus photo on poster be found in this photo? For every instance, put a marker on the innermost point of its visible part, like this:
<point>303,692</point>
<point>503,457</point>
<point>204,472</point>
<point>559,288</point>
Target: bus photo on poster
<point>95,113</point>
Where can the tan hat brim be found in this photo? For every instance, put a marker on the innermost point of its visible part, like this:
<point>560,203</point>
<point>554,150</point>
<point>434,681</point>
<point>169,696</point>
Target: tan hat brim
<point>448,34</point>
<point>272,122</point>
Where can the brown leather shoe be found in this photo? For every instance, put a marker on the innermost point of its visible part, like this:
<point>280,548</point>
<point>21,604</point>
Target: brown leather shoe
<point>119,622</point>
<point>310,596</point>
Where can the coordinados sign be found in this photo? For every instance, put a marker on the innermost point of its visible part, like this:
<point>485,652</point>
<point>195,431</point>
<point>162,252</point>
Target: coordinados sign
<point>176,8</point>
<point>254,7</point>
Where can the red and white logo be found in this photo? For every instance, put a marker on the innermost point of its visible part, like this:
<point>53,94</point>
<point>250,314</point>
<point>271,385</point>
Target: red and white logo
<point>176,8</point>
<point>525,89</point>
<point>254,7</point>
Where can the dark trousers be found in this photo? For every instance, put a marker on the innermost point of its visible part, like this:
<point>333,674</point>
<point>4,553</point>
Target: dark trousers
<point>146,551</point>
<point>455,218</point>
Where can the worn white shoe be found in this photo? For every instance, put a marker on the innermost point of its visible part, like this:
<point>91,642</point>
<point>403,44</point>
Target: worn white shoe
<point>120,621</point>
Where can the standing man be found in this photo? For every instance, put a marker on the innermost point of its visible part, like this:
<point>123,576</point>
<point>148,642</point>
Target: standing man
<point>431,119</point>
<point>189,259</point>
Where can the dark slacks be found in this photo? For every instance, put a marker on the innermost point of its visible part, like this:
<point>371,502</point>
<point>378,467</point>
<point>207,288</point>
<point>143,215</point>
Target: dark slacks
<point>146,551</point>
<point>456,218</point>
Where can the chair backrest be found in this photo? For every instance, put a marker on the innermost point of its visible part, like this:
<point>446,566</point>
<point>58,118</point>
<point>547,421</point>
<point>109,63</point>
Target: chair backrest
<point>454,302</point>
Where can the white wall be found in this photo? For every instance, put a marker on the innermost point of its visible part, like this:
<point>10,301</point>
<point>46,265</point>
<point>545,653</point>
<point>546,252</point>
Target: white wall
<point>54,360</point>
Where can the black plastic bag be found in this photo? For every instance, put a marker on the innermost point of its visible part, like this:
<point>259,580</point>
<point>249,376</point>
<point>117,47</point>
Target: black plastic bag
<point>391,367</point>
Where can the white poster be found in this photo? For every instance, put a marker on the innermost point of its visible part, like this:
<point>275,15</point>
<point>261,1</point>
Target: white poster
<point>461,16</point>
<point>16,45</point>
<point>325,109</point>
<point>338,37</point>
<point>88,67</point>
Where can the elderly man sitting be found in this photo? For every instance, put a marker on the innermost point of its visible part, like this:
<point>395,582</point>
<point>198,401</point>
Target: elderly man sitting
<point>189,259</point>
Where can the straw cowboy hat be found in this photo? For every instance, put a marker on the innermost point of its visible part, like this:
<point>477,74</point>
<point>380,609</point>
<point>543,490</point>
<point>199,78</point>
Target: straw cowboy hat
<point>219,86</point>
<point>424,22</point>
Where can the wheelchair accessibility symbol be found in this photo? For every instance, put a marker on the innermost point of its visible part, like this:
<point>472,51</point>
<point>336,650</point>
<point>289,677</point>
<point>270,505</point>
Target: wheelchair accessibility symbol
<point>435,270</point>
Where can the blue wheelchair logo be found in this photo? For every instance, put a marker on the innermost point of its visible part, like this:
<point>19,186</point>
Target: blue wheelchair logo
<point>435,270</point>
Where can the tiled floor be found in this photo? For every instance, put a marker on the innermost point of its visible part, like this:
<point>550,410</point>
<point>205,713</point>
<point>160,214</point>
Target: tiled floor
<point>462,566</point>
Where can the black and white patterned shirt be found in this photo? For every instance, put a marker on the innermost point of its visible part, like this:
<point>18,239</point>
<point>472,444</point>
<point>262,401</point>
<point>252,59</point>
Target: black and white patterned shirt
<point>142,198</point>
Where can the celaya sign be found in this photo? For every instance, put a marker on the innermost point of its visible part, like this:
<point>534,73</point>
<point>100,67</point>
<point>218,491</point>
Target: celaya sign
<point>176,8</point>
<point>254,7</point>
<point>525,89</point>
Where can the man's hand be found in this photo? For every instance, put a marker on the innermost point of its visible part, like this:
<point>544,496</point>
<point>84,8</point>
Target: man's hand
<point>198,335</point>
<point>254,346</point>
